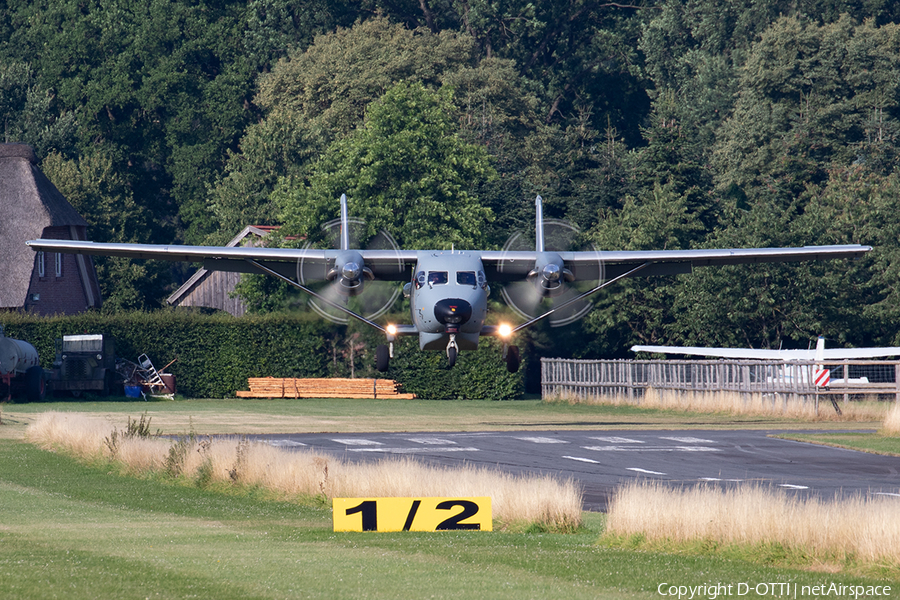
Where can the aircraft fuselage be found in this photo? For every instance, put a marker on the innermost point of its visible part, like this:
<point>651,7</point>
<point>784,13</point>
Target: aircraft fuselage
<point>448,297</point>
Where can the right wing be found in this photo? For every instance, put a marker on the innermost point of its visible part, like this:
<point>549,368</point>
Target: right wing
<point>392,265</point>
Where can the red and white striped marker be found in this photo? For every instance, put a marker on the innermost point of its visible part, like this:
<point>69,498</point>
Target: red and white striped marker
<point>822,377</point>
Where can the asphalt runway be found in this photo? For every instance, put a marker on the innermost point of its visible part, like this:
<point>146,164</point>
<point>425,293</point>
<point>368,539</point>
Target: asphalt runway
<point>601,460</point>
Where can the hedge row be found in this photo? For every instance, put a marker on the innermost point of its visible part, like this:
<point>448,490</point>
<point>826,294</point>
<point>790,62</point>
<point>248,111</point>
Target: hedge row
<point>216,354</point>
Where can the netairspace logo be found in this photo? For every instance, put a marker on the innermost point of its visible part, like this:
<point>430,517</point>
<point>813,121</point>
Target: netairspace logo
<point>711,591</point>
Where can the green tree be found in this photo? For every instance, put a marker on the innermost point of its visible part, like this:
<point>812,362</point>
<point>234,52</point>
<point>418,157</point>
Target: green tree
<point>810,97</point>
<point>639,309</point>
<point>408,171</point>
<point>319,95</point>
<point>29,112</point>
<point>94,187</point>
<point>163,85</point>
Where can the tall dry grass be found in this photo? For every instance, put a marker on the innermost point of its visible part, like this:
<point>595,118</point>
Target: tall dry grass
<point>857,529</point>
<point>891,423</point>
<point>736,403</point>
<point>517,501</point>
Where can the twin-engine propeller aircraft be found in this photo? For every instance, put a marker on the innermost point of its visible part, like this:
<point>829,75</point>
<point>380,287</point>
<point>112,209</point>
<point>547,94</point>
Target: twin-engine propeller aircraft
<point>448,289</point>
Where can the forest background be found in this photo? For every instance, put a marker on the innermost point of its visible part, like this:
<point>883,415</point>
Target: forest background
<point>649,125</point>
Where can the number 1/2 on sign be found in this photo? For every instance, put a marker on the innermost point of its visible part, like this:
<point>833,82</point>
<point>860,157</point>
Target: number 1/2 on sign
<point>412,514</point>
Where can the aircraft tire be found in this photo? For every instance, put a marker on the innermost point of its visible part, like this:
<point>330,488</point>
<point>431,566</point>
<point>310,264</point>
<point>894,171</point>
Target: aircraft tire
<point>512,359</point>
<point>451,356</point>
<point>382,358</point>
<point>35,386</point>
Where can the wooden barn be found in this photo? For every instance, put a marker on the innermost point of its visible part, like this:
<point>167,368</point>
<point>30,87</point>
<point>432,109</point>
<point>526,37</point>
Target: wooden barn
<point>213,289</point>
<point>31,207</point>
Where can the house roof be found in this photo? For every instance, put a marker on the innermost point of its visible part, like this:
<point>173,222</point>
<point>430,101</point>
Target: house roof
<point>29,203</point>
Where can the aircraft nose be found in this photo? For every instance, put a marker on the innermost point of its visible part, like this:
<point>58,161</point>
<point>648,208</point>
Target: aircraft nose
<point>452,311</point>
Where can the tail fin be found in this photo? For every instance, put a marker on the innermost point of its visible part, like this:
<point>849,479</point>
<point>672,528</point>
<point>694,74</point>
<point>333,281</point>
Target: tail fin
<point>538,225</point>
<point>345,224</point>
<point>820,348</point>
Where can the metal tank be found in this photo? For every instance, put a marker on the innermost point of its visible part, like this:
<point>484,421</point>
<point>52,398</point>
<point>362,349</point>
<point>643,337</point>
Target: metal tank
<point>20,370</point>
<point>16,356</point>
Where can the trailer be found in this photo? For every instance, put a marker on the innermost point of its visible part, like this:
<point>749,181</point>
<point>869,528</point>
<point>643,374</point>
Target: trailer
<point>85,363</point>
<point>20,370</point>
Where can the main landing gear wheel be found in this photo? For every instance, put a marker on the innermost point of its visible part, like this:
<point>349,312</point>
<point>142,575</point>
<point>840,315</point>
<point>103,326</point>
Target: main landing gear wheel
<point>512,359</point>
<point>382,358</point>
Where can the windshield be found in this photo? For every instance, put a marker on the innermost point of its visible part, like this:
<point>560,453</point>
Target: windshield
<point>466,278</point>
<point>437,277</point>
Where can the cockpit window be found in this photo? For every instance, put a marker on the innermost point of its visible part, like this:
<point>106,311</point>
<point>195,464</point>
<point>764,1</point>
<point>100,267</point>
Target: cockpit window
<point>466,278</point>
<point>437,277</point>
<point>420,279</point>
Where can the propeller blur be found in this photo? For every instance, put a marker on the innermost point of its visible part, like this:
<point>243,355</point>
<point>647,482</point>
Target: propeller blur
<point>448,290</point>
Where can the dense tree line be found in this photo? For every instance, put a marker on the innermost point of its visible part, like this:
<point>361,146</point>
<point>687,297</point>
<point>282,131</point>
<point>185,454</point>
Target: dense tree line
<point>672,124</point>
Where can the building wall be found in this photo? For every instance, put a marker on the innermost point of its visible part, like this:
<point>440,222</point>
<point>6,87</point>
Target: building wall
<point>214,291</point>
<point>65,292</point>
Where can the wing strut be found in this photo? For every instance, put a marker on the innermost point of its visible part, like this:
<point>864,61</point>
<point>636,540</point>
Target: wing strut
<point>582,296</point>
<point>315,295</point>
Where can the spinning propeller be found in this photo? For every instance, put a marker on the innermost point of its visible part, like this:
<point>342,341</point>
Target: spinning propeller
<point>348,281</point>
<point>550,283</point>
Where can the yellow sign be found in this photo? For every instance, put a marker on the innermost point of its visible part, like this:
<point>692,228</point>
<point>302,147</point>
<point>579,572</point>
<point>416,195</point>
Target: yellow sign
<point>412,514</point>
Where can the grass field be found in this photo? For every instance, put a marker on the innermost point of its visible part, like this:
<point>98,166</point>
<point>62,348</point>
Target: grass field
<point>867,442</point>
<point>72,531</point>
<point>317,415</point>
<point>75,531</point>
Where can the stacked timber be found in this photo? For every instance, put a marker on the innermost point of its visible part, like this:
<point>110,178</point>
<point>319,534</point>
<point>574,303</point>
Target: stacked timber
<point>288,387</point>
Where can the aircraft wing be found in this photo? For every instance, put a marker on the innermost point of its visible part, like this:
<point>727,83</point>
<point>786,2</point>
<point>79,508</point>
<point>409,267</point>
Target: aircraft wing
<point>767,354</point>
<point>746,353</point>
<point>512,266</point>
<point>393,265</point>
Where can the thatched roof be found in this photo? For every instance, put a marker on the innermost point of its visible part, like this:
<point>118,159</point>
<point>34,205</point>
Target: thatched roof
<point>28,204</point>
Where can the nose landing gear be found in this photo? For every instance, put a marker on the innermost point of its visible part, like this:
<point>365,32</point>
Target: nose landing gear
<point>452,351</point>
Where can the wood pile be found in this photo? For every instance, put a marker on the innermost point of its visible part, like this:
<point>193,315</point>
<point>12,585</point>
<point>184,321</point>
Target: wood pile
<point>287,387</point>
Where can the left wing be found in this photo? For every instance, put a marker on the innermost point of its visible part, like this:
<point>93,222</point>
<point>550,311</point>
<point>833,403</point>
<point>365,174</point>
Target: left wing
<point>512,266</point>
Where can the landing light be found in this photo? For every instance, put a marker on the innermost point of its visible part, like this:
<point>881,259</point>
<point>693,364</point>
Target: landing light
<point>392,329</point>
<point>504,330</point>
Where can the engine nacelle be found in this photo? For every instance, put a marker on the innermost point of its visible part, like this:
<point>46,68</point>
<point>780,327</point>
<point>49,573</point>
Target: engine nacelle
<point>550,274</point>
<point>349,273</point>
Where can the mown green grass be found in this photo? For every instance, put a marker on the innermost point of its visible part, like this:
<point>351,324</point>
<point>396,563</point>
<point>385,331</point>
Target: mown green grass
<point>389,415</point>
<point>867,442</point>
<point>75,531</point>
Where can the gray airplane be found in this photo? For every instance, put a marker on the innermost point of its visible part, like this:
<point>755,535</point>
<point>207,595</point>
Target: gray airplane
<point>448,290</point>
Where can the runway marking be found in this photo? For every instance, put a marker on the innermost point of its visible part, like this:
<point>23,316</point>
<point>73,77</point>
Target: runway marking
<point>580,459</point>
<point>431,441</point>
<point>887,494</point>
<point>652,449</point>
<point>688,440</point>
<point>793,487</point>
<point>284,443</point>
<point>356,442</point>
<point>542,440</point>
<point>414,450</point>
<point>617,440</point>
<point>717,479</point>
<point>643,471</point>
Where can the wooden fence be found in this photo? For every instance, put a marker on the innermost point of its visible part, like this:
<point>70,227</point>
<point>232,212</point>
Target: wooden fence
<point>630,378</point>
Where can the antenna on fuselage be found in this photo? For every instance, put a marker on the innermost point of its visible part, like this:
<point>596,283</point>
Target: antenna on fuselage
<point>345,224</point>
<point>538,225</point>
